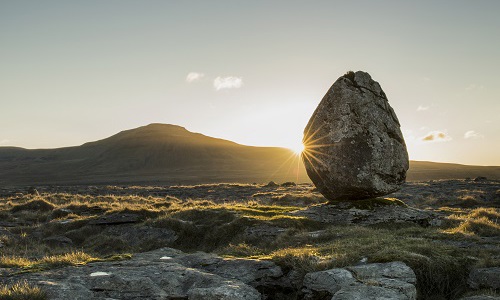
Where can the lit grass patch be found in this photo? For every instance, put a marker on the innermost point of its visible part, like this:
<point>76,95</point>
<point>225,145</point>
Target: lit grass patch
<point>14,262</point>
<point>480,222</point>
<point>55,261</point>
<point>241,250</point>
<point>481,226</point>
<point>303,259</point>
<point>22,291</point>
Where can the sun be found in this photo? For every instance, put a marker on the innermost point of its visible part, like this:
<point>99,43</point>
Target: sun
<point>297,148</point>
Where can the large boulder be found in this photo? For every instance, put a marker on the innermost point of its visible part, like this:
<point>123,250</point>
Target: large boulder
<point>354,148</point>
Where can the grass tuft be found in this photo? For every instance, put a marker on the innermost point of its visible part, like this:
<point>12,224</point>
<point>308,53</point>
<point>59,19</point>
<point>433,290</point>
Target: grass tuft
<point>22,291</point>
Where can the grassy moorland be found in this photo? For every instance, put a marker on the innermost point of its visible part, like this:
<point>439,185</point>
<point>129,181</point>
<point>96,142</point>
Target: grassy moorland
<point>40,231</point>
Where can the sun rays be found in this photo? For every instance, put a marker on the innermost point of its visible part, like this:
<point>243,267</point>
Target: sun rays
<point>311,152</point>
<point>314,149</point>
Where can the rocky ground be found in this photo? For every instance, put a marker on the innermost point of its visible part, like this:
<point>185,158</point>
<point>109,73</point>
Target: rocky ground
<point>437,239</point>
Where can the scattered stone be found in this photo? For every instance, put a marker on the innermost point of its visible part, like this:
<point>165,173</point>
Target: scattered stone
<point>354,148</point>
<point>480,178</point>
<point>289,183</point>
<point>485,278</point>
<point>116,219</point>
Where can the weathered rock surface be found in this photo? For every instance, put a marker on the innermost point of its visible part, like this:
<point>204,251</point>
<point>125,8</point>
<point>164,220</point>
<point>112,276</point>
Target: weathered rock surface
<point>160,274</point>
<point>354,148</point>
<point>484,278</point>
<point>339,215</point>
<point>393,280</point>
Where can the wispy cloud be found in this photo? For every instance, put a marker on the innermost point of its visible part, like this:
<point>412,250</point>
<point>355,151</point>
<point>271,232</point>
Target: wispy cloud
<point>471,134</point>
<point>474,86</point>
<point>436,136</point>
<point>422,108</point>
<point>194,76</point>
<point>228,83</point>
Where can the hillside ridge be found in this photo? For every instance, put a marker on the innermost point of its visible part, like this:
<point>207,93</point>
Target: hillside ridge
<point>170,154</point>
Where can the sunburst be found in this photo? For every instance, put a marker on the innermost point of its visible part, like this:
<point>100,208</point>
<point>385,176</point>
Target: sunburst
<point>314,149</point>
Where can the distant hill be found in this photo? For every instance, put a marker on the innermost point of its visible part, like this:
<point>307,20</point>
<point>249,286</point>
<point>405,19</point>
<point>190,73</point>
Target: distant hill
<point>152,154</point>
<point>170,154</point>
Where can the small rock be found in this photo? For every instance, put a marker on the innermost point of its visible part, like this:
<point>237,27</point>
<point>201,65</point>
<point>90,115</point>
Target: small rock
<point>485,278</point>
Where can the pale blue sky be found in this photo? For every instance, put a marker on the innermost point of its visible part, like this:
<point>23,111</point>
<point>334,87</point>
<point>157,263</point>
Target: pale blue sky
<point>77,71</point>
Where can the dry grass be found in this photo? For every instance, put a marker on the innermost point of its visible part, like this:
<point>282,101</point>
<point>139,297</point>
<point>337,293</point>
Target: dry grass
<point>480,222</point>
<point>206,225</point>
<point>22,291</point>
<point>47,262</point>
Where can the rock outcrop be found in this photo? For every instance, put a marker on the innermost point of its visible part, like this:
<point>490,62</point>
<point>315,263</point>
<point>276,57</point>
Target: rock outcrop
<point>354,148</point>
<point>393,280</point>
<point>338,214</point>
<point>160,274</point>
<point>168,273</point>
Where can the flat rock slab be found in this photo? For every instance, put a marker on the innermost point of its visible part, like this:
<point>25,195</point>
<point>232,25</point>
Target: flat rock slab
<point>394,280</point>
<point>160,274</point>
<point>334,214</point>
<point>354,148</point>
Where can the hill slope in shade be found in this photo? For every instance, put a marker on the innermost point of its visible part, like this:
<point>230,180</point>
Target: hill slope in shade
<point>170,154</point>
<point>156,153</point>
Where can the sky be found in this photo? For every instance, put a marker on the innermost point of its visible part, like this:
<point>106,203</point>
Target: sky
<point>248,71</point>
